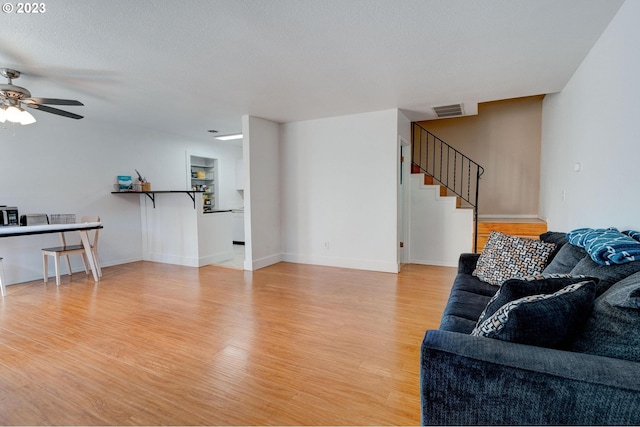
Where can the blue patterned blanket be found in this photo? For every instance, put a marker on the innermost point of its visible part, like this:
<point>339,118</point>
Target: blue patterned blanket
<point>607,246</point>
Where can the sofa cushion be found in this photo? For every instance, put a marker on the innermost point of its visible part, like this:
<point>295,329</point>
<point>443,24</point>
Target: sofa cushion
<point>506,256</point>
<point>612,329</point>
<point>566,259</point>
<point>468,297</point>
<point>608,274</point>
<point>557,238</point>
<point>545,320</point>
<point>513,289</point>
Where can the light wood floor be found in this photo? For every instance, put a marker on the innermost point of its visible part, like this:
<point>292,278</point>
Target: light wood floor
<point>157,344</point>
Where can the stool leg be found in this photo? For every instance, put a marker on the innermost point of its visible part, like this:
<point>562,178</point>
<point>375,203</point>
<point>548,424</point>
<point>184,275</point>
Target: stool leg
<point>45,266</point>
<point>69,266</point>
<point>2,282</point>
<point>57,260</point>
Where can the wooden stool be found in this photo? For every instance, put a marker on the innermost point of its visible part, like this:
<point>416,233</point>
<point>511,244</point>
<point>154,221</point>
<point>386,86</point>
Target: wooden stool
<point>2,282</point>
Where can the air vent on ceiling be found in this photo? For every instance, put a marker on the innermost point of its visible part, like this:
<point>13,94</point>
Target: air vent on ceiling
<point>453,110</point>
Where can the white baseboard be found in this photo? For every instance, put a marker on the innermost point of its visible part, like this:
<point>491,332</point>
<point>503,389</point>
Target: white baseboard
<point>262,262</point>
<point>357,264</point>
<point>431,262</point>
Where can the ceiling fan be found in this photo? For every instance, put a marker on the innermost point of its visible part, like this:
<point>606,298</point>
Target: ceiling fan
<point>13,98</point>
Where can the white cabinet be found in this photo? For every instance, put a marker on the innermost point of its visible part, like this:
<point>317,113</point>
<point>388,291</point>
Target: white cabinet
<point>237,227</point>
<point>203,177</point>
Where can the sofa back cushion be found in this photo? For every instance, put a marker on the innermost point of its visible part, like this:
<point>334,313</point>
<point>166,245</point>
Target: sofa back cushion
<point>608,274</point>
<point>613,329</point>
<point>566,259</point>
<point>505,256</point>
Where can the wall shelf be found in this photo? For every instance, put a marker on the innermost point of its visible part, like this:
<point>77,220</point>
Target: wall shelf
<point>152,194</point>
<point>204,176</point>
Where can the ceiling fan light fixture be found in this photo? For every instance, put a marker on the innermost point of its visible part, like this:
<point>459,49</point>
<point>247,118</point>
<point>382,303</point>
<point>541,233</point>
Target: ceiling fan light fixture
<point>14,114</point>
<point>26,118</point>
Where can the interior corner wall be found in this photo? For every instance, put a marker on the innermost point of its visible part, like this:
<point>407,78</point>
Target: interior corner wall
<point>261,153</point>
<point>592,124</point>
<point>505,139</point>
<point>339,191</point>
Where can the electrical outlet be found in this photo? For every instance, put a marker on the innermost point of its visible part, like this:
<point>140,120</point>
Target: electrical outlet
<point>325,245</point>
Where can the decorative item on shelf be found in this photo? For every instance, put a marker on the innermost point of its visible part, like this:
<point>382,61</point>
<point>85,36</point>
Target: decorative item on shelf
<point>144,184</point>
<point>201,175</point>
<point>125,183</point>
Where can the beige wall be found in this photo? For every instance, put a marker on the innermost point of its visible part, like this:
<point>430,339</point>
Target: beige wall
<point>504,138</point>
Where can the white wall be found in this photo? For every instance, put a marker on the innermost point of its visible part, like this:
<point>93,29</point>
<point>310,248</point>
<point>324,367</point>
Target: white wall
<point>261,151</point>
<point>404,186</point>
<point>594,122</point>
<point>58,165</point>
<point>339,191</point>
<point>439,231</point>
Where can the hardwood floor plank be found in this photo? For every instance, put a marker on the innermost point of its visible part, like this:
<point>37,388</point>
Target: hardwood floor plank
<point>158,344</point>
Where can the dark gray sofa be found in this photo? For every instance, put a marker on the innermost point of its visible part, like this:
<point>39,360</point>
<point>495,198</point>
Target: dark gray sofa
<point>472,380</point>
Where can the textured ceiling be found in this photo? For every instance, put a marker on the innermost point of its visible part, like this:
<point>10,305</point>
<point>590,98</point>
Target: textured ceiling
<point>188,66</point>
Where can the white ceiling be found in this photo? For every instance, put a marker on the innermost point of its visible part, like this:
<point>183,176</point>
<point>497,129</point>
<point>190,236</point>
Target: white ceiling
<point>188,66</point>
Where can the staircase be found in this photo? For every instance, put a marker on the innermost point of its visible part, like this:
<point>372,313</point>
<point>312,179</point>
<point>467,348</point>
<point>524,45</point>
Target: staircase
<point>454,171</point>
<point>458,175</point>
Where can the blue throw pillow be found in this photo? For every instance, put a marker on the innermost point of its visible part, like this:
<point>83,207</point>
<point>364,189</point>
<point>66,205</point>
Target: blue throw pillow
<point>633,234</point>
<point>544,320</point>
<point>606,246</point>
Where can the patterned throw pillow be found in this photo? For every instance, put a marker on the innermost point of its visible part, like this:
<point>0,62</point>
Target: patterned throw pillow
<point>544,320</point>
<point>504,257</point>
<point>513,289</point>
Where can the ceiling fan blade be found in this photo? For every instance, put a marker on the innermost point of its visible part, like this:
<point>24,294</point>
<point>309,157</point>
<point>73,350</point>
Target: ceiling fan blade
<point>90,82</point>
<point>54,111</point>
<point>52,101</point>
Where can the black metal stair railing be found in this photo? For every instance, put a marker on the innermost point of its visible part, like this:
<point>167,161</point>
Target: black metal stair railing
<point>449,167</point>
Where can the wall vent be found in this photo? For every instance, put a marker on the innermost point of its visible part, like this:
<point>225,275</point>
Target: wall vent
<point>453,110</point>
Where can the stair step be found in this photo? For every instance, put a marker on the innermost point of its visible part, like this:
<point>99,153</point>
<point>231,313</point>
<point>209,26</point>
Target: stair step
<point>428,180</point>
<point>530,228</point>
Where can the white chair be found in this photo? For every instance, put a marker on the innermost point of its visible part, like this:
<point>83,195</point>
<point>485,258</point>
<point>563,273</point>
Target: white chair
<point>2,282</point>
<point>66,250</point>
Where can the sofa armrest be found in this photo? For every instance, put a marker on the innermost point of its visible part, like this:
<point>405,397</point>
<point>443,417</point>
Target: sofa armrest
<point>467,263</point>
<point>476,380</point>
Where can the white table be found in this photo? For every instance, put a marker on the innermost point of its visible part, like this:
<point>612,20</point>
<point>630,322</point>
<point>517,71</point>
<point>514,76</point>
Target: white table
<point>81,228</point>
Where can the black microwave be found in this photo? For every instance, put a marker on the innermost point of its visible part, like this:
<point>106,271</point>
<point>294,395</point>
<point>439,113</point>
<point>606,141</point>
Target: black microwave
<point>9,216</point>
